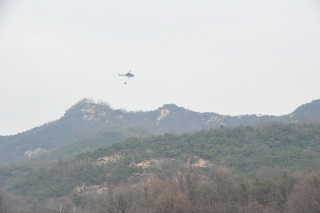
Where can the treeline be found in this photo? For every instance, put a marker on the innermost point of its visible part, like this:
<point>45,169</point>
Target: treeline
<point>189,190</point>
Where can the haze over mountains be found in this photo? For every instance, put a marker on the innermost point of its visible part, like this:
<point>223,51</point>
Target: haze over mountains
<point>98,156</point>
<point>88,125</point>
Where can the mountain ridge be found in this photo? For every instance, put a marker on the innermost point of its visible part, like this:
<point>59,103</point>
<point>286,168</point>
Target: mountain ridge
<point>87,118</point>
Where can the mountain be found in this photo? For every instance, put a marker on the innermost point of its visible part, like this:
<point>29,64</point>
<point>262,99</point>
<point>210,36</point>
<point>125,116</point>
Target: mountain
<point>306,112</point>
<point>88,125</point>
<point>245,150</point>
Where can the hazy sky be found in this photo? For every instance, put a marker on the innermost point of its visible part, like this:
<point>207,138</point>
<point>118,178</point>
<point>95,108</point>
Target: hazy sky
<point>229,57</point>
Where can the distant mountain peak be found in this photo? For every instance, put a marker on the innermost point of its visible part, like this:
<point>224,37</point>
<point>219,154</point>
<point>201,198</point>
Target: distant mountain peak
<point>313,105</point>
<point>169,106</point>
<point>172,107</point>
<point>306,112</point>
<point>89,106</point>
<point>87,118</point>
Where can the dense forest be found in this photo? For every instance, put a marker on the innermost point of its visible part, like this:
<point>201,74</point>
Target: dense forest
<point>256,160</point>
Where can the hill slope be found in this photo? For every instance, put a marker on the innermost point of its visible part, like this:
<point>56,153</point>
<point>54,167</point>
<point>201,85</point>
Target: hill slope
<point>86,119</point>
<point>244,149</point>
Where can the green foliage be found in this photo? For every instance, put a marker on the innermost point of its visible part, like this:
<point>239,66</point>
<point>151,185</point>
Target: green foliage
<point>78,199</point>
<point>244,149</point>
<point>119,172</point>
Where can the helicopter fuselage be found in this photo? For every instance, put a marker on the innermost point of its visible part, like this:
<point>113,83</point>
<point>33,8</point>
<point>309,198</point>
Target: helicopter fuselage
<point>129,75</point>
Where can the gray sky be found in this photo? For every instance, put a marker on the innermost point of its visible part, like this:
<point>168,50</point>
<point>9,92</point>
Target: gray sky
<point>228,57</point>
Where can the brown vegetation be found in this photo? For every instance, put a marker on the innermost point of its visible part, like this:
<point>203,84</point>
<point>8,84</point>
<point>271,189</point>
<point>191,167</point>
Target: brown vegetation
<point>306,195</point>
<point>188,190</point>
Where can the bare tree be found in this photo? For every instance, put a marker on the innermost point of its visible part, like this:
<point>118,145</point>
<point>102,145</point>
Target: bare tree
<point>306,195</point>
<point>218,194</point>
<point>2,199</point>
<point>189,182</point>
<point>172,201</point>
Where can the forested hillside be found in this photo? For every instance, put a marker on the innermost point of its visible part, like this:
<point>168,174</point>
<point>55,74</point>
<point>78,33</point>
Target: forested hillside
<point>244,149</point>
<point>88,121</point>
<point>247,151</point>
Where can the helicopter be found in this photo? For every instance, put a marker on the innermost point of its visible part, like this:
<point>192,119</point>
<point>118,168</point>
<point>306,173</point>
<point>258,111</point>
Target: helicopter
<point>129,75</point>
